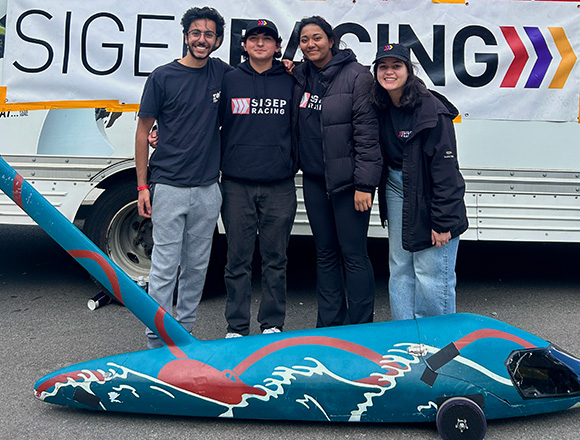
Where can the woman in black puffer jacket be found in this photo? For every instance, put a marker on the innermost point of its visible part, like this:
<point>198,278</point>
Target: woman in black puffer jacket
<point>340,156</point>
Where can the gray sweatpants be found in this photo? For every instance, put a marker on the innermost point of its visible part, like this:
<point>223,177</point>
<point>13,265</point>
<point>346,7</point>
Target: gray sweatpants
<point>184,221</point>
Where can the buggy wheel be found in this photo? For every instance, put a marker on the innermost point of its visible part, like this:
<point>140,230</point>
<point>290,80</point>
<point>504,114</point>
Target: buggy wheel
<point>460,418</point>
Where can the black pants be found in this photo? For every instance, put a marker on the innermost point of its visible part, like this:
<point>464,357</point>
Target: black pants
<point>345,281</point>
<point>268,211</point>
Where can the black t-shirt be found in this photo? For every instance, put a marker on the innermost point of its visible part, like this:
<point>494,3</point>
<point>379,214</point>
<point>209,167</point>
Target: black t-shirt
<point>310,127</point>
<point>395,129</point>
<point>185,102</point>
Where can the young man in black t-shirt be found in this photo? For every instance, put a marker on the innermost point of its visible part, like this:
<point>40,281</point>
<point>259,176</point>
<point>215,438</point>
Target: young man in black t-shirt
<point>183,96</point>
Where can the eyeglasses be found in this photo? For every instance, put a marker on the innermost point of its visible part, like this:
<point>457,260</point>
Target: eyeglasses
<point>196,33</point>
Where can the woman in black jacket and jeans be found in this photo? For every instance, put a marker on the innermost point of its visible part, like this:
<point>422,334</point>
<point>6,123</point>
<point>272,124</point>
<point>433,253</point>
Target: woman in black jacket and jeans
<point>338,136</point>
<point>421,193</point>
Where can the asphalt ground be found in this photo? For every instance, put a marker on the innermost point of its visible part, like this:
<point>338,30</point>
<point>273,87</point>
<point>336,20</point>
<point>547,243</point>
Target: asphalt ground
<point>45,325</point>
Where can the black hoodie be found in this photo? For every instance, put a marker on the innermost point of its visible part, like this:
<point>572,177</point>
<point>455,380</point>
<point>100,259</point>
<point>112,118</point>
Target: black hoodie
<point>255,110</point>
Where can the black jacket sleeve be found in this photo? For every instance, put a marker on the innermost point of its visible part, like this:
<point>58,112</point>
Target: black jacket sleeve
<point>368,157</point>
<point>448,186</point>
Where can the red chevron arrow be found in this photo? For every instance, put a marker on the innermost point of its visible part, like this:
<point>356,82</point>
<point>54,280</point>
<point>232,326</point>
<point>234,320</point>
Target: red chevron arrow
<point>520,56</point>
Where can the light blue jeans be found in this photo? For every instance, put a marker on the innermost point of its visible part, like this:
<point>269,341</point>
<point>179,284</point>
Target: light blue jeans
<point>421,283</point>
<point>184,220</point>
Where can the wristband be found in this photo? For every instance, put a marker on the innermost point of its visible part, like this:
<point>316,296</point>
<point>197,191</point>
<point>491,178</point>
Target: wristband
<point>141,188</point>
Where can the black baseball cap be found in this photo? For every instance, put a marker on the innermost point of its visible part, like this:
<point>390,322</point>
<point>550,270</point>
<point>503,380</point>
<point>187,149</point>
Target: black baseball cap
<point>263,25</point>
<point>393,51</point>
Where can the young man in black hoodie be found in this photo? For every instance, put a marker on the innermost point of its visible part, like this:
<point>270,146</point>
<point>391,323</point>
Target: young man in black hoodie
<point>258,168</point>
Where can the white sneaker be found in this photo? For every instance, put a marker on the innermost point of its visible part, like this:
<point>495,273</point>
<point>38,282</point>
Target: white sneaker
<point>269,331</point>
<point>233,335</point>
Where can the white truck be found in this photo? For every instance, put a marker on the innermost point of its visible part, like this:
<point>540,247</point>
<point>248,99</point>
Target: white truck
<point>518,142</point>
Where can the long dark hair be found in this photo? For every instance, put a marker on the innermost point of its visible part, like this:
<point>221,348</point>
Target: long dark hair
<point>414,88</point>
<point>326,28</point>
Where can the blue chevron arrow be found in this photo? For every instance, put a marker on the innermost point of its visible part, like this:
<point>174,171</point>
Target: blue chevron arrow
<point>544,58</point>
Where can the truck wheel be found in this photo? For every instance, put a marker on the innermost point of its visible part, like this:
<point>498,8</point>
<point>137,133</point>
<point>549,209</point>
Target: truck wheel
<point>460,418</point>
<point>116,227</point>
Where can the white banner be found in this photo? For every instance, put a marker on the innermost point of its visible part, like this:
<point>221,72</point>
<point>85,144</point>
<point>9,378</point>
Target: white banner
<point>495,59</point>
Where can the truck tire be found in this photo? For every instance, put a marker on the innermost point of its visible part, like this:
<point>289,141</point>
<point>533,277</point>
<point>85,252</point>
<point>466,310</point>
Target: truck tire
<point>116,227</point>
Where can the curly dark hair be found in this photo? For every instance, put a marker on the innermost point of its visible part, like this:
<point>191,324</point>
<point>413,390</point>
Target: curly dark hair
<point>206,12</point>
<point>413,88</point>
